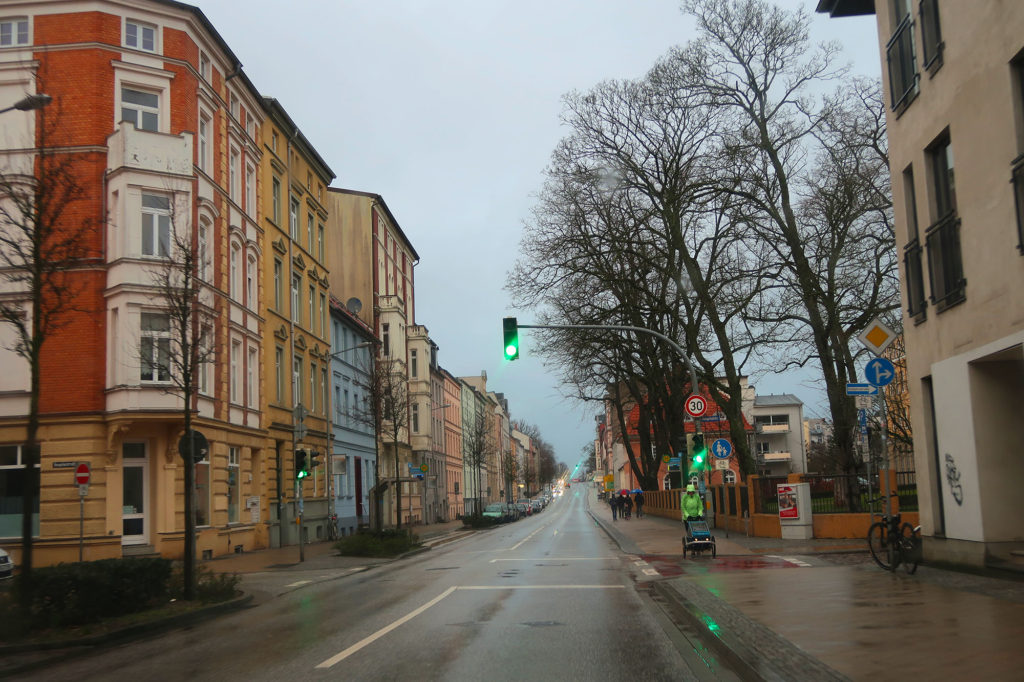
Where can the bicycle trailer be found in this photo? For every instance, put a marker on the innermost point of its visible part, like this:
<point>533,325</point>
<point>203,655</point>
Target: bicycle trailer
<point>698,538</point>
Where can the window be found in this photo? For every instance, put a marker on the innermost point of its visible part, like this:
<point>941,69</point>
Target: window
<point>297,379</point>
<point>309,232</point>
<point>296,298</point>
<point>312,388</point>
<point>323,314</point>
<point>250,283</point>
<point>236,282</point>
<point>273,140</point>
<point>233,179</point>
<point>729,476</point>
<point>12,486</point>
<point>233,105</point>
<point>309,180</point>
<point>942,240</point>
<point>204,143</point>
<point>386,339</point>
<point>293,219</point>
<point>279,373</point>
<point>275,193</point>
<point>236,352</point>
<point>312,302</point>
<point>762,448</point>
<point>278,284</point>
<point>320,242</point>
<point>900,56</point>
<point>413,364</point>
<point>1018,193</point>
<point>415,418</point>
<point>912,251</point>
<point>250,377</point>
<point>203,266</point>
<point>250,190</point>
<point>234,485</point>
<point>324,388</point>
<point>140,36</point>
<point>14,32</point>
<point>140,108</point>
<point>206,359</point>
<point>204,66</point>
<point>931,35</point>
<point>155,347</point>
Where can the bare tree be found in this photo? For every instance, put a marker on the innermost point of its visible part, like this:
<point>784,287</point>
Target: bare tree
<point>478,447</point>
<point>387,391</point>
<point>180,356</point>
<point>47,237</point>
<point>510,470</point>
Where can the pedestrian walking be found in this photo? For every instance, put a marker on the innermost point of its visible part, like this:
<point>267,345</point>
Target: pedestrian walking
<point>627,506</point>
<point>613,502</point>
<point>638,499</point>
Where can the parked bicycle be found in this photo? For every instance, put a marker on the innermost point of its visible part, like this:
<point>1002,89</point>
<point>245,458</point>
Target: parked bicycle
<point>893,543</point>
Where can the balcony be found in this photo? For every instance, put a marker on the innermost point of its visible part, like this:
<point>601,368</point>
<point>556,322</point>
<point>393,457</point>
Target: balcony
<point>149,151</point>
<point>771,428</point>
<point>902,64</point>
<point>769,457</point>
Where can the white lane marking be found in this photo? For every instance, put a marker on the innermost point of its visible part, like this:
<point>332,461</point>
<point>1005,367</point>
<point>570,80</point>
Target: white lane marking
<point>337,658</point>
<point>650,571</point>
<point>542,587</point>
<point>639,563</point>
<point>301,582</point>
<point>559,558</point>
<point>516,546</point>
<point>792,560</point>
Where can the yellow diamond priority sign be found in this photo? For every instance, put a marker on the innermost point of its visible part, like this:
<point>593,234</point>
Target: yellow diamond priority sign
<point>877,336</point>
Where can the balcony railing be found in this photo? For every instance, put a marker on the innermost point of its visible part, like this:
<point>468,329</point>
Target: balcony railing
<point>945,262</point>
<point>128,147</point>
<point>903,78</point>
<point>915,279</point>
<point>771,428</point>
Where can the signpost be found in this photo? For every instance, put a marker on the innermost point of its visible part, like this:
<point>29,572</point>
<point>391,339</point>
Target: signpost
<point>861,389</point>
<point>82,476</point>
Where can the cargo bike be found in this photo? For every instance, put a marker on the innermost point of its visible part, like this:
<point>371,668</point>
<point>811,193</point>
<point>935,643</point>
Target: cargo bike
<point>698,538</point>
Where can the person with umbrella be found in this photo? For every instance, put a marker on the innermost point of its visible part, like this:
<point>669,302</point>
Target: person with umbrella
<point>638,500</point>
<point>627,505</point>
<point>613,502</point>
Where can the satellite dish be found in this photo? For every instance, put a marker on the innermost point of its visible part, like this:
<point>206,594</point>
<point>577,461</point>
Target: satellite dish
<point>354,305</point>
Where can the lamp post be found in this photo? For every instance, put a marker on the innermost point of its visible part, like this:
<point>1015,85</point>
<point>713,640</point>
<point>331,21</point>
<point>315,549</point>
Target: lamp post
<point>29,103</point>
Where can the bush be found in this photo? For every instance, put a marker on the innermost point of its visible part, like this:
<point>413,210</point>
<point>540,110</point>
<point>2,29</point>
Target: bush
<point>479,522</point>
<point>387,543</point>
<point>210,587</point>
<point>89,591</point>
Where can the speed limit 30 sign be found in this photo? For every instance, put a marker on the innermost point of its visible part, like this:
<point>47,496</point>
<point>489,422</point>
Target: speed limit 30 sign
<point>696,405</point>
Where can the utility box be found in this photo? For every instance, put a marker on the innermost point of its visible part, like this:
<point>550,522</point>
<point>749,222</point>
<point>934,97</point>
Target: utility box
<point>795,516</point>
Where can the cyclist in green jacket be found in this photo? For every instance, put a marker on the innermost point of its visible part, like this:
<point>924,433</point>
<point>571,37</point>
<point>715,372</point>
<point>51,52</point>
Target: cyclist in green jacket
<point>693,506</point>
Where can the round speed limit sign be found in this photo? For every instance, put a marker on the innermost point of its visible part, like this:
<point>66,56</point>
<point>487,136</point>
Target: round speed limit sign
<point>696,405</point>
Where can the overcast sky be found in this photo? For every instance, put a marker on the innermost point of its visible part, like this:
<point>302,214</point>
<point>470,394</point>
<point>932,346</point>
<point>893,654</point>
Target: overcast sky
<point>450,110</point>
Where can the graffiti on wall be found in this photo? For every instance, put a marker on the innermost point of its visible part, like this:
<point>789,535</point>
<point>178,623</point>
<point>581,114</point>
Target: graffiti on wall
<point>953,478</point>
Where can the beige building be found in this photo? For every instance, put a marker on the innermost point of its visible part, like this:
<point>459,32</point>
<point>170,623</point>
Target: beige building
<point>954,77</point>
<point>296,353</point>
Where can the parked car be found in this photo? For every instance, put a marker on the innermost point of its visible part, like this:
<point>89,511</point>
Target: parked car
<point>6,565</point>
<point>525,508</point>
<point>494,511</point>
<point>537,505</point>
<point>511,511</point>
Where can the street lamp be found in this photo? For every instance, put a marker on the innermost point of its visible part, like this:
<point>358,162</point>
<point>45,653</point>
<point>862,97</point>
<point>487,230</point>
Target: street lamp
<point>355,347</point>
<point>29,103</point>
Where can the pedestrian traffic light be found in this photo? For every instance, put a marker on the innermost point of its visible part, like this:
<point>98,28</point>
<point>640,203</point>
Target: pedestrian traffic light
<point>511,333</point>
<point>699,453</point>
<point>301,468</point>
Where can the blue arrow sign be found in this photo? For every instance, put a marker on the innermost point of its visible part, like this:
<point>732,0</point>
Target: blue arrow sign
<point>879,372</point>
<point>861,389</point>
<point>721,448</point>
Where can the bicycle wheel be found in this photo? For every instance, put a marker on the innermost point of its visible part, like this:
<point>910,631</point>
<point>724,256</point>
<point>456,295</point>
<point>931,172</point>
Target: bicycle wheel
<point>910,545</point>
<point>879,546</point>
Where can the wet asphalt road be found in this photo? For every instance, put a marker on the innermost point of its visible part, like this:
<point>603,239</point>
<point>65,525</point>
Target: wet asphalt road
<point>546,598</point>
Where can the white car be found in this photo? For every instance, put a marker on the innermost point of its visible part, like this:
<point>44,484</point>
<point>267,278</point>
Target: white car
<point>6,565</point>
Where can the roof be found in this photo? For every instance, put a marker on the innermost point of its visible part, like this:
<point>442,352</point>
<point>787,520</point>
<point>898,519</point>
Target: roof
<point>845,8</point>
<point>383,204</point>
<point>277,111</point>
<point>773,399</point>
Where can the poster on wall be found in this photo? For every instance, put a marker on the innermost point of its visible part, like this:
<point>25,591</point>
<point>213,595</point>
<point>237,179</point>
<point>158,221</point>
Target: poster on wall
<point>788,508</point>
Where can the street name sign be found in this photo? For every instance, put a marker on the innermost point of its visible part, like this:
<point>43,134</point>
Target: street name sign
<point>861,389</point>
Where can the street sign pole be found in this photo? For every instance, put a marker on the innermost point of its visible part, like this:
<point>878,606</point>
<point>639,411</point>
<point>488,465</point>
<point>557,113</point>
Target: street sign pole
<point>82,476</point>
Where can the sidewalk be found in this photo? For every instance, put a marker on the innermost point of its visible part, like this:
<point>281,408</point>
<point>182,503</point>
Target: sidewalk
<point>784,621</point>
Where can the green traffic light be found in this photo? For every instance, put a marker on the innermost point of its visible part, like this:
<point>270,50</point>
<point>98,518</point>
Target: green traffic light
<point>510,330</point>
<point>510,350</point>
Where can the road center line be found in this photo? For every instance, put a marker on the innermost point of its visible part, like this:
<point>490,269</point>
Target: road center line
<point>337,658</point>
<point>516,546</point>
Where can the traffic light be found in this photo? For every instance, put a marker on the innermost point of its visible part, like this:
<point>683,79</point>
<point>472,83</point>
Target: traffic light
<point>314,457</point>
<point>511,332</point>
<point>699,453</point>
<point>301,468</point>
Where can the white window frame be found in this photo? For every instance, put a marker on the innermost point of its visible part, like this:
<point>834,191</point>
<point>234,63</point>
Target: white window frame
<point>310,222</point>
<point>11,29</point>
<point>312,304</point>
<point>205,69</point>
<point>279,372</point>
<point>297,372</point>
<point>234,458</point>
<point>320,242</point>
<point>205,345</point>
<point>160,226</point>
<point>205,124</point>
<point>324,390</point>
<point>234,179</point>
<point>729,476</point>
<point>323,314</point>
<point>312,387</point>
<point>275,192</point>
<point>203,268</point>
<point>250,282</point>
<point>140,109</point>
<point>413,364</point>
<point>293,219</point>
<point>278,284</point>
<point>250,377</point>
<point>139,40</point>
<point>159,351</point>
<point>296,298</point>
<point>235,263</point>
<point>250,190</point>
<point>415,418</point>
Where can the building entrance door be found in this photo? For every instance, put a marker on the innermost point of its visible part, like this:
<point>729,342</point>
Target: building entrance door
<point>135,500</point>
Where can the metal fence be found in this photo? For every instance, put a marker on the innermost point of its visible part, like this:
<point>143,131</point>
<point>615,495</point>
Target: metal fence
<point>840,493</point>
<point>767,495</point>
<point>906,488</point>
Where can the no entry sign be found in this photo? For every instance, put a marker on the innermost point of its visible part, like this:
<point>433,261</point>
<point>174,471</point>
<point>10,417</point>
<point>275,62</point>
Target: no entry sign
<point>82,474</point>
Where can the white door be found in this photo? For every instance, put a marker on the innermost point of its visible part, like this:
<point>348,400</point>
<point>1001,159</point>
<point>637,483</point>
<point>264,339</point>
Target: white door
<point>135,477</point>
